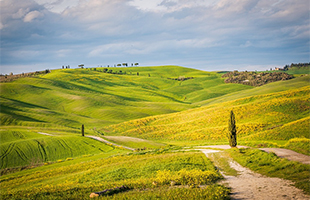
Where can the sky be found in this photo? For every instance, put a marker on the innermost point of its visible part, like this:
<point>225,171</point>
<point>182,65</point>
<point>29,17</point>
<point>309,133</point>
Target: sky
<point>208,35</point>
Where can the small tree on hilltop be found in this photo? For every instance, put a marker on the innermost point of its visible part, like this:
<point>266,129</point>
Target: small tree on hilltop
<point>232,131</point>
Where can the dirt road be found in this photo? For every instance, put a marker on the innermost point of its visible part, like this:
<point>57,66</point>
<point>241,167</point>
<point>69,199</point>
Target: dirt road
<point>106,141</point>
<point>282,153</point>
<point>250,185</point>
<point>289,154</point>
<point>45,134</point>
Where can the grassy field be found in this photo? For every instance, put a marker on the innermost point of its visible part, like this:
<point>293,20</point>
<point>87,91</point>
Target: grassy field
<point>146,108</point>
<point>136,143</point>
<point>275,116</point>
<point>23,148</point>
<point>76,179</point>
<point>61,101</point>
<point>74,96</point>
<point>149,106</point>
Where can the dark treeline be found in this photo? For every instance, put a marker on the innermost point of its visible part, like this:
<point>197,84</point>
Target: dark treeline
<point>111,71</point>
<point>181,78</point>
<point>255,79</point>
<point>120,65</point>
<point>300,65</point>
<point>294,65</point>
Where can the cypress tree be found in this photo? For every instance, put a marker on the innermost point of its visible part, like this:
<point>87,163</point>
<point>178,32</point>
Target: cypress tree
<point>232,132</point>
<point>82,129</point>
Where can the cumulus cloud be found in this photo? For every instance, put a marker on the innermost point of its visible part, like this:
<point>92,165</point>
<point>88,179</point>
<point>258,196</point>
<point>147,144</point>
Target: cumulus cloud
<point>183,31</point>
<point>33,15</point>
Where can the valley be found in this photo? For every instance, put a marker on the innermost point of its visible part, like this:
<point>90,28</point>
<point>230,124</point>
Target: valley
<point>142,128</point>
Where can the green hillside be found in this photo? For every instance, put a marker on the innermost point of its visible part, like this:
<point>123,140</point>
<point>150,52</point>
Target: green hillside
<point>23,148</point>
<point>77,179</point>
<point>154,110</point>
<point>61,101</point>
<point>73,97</point>
<point>271,112</point>
<point>168,104</point>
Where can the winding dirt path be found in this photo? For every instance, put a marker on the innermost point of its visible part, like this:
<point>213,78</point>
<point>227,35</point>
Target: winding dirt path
<point>107,142</point>
<point>96,138</point>
<point>248,185</point>
<point>45,134</point>
<point>289,154</point>
<point>280,152</point>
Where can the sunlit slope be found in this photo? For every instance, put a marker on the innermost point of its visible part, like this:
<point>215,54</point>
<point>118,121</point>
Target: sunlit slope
<point>272,116</point>
<point>24,148</point>
<point>265,89</point>
<point>72,97</point>
<point>76,179</point>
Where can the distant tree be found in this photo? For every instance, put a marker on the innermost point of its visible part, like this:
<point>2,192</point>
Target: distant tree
<point>119,65</point>
<point>105,70</point>
<point>63,67</point>
<point>81,66</point>
<point>136,64</point>
<point>286,67</point>
<point>82,129</point>
<point>232,131</point>
<point>125,64</point>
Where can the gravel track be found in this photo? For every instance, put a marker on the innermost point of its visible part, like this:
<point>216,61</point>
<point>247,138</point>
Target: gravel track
<point>249,185</point>
<point>280,152</point>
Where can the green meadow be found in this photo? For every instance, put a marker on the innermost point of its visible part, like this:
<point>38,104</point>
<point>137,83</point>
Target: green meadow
<point>155,110</point>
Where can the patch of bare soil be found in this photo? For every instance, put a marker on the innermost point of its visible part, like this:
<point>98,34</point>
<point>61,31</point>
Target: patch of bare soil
<point>250,185</point>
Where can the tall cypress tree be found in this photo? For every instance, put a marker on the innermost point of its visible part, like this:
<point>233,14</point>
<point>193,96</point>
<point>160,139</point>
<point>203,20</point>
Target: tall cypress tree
<point>232,131</point>
<point>82,129</point>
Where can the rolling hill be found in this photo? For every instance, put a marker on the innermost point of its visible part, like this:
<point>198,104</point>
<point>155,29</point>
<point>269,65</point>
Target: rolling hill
<point>152,109</point>
<point>71,97</point>
<point>167,104</point>
<point>273,116</point>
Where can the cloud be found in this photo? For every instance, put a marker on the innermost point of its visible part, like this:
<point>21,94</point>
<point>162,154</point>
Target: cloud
<point>33,15</point>
<point>200,32</point>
